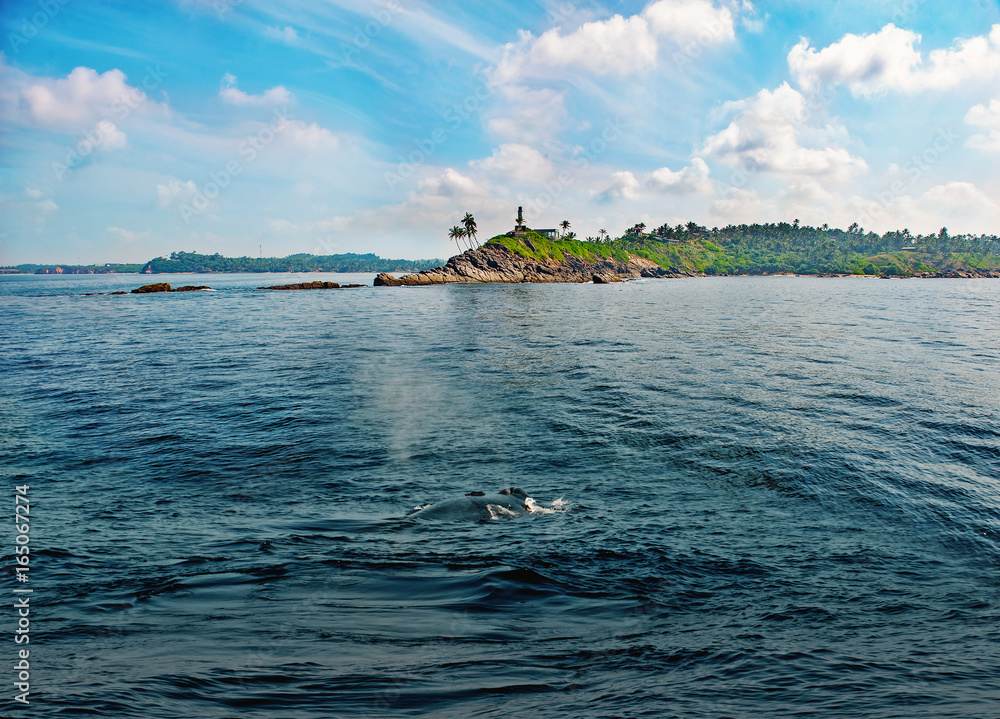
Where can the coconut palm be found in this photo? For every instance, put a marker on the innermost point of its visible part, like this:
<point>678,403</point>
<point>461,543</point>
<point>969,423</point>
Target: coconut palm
<point>570,236</point>
<point>470,227</point>
<point>603,234</point>
<point>564,225</point>
<point>456,233</point>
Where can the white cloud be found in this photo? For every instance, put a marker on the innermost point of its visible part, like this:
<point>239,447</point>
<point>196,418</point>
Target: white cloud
<point>175,193</point>
<point>888,60</point>
<point>128,235</point>
<point>451,183</point>
<point>739,205</point>
<point>285,34</point>
<point>281,226</point>
<point>518,163</point>
<point>528,115</point>
<point>689,180</point>
<point>987,118</point>
<point>234,96</point>
<point>33,193</point>
<point>682,20</point>
<point>956,196</point>
<point>82,98</point>
<point>108,136</point>
<point>960,206</point>
<point>623,186</point>
<point>47,206</point>
<point>768,135</point>
<point>310,137</point>
<point>616,46</point>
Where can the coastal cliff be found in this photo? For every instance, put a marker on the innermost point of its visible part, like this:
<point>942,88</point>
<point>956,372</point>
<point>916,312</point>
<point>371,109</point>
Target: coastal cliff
<point>494,262</point>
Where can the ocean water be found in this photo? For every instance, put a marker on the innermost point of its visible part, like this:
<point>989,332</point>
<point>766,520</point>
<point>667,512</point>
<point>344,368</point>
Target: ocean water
<point>754,497</point>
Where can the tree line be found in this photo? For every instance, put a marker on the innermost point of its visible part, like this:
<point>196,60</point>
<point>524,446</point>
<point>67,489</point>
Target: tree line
<point>803,249</point>
<point>349,262</point>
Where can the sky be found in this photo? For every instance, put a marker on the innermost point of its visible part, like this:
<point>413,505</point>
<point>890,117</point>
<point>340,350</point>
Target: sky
<point>129,130</point>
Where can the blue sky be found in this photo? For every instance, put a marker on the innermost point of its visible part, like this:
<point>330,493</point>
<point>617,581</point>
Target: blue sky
<point>130,130</point>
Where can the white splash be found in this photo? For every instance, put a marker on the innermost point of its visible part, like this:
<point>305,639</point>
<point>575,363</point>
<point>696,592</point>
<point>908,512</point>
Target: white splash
<point>558,505</point>
<point>498,512</point>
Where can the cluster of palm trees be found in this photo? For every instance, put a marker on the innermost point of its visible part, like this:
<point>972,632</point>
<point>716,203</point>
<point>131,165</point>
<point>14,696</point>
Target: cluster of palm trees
<point>465,235</point>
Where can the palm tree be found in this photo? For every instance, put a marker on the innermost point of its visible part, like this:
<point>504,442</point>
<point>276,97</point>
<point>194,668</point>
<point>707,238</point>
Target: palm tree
<point>564,225</point>
<point>570,235</point>
<point>470,227</point>
<point>603,234</point>
<point>456,233</point>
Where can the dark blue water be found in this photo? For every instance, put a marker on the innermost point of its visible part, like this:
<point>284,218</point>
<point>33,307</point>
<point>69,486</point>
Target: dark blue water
<point>781,498</point>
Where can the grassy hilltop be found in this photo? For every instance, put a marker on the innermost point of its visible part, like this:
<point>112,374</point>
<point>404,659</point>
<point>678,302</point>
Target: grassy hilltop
<point>777,248</point>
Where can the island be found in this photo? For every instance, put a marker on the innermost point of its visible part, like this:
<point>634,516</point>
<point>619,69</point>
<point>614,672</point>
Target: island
<point>691,250</point>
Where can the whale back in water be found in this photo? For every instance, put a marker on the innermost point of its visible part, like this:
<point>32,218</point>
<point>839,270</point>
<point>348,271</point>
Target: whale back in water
<point>510,502</point>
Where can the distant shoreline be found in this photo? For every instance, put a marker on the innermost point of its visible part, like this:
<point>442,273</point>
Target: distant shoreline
<point>177,263</point>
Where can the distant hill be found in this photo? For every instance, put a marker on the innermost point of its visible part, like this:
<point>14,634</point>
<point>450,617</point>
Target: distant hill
<point>194,262</point>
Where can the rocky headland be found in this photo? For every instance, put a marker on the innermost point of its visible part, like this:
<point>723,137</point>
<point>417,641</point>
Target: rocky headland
<point>493,262</point>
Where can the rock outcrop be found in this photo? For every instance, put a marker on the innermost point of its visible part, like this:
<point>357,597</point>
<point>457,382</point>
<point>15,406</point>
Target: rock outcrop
<point>317,285</point>
<point>165,287</point>
<point>495,263</point>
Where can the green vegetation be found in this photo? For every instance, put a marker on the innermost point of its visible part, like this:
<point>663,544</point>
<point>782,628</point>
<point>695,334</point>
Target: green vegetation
<point>776,248</point>
<point>28,269</point>
<point>465,236</point>
<point>193,262</point>
<point>538,247</point>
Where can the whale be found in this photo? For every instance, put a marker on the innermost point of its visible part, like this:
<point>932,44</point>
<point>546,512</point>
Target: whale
<point>509,502</point>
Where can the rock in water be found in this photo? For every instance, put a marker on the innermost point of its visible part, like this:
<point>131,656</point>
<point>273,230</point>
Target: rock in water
<point>165,287</point>
<point>157,287</point>
<point>317,285</point>
<point>606,279</point>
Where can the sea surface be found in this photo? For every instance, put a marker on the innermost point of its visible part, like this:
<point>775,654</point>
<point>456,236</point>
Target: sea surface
<point>754,497</point>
